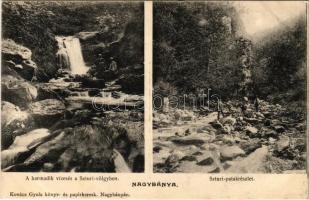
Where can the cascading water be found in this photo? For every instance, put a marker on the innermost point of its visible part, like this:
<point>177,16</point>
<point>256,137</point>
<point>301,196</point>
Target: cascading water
<point>70,55</point>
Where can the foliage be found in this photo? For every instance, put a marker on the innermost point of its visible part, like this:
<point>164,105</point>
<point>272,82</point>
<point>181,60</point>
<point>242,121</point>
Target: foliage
<point>280,70</point>
<point>34,24</point>
<point>197,49</point>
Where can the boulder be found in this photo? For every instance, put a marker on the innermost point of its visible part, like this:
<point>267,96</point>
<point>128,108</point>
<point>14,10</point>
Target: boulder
<point>251,145</point>
<point>206,161</point>
<point>11,113</point>
<point>47,112</point>
<point>21,145</point>
<point>279,128</point>
<point>216,125</point>
<point>18,58</point>
<point>13,122</point>
<point>12,50</point>
<point>283,143</point>
<point>230,152</point>
<point>16,91</point>
<point>254,163</point>
<point>251,131</point>
<point>83,148</point>
<point>228,120</point>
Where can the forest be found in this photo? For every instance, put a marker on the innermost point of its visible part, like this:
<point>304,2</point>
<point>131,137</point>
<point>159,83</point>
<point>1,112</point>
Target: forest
<point>226,101</point>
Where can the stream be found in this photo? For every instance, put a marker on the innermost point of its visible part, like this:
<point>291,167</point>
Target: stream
<point>80,123</point>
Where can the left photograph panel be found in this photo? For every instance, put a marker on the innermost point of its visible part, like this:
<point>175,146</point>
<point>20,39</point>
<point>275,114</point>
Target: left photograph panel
<point>72,86</point>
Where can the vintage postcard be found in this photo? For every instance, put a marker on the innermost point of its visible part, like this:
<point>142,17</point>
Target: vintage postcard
<point>154,100</point>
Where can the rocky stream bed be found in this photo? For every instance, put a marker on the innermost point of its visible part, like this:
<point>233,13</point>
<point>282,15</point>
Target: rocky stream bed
<point>72,123</point>
<point>268,141</point>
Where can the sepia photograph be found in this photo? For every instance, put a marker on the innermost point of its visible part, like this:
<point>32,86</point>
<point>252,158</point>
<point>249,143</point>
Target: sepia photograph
<point>229,87</point>
<point>72,86</point>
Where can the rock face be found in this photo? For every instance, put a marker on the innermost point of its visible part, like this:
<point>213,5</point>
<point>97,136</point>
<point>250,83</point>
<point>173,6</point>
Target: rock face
<point>47,112</point>
<point>84,148</point>
<point>11,50</point>
<point>13,122</point>
<point>17,91</point>
<point>18,58</point>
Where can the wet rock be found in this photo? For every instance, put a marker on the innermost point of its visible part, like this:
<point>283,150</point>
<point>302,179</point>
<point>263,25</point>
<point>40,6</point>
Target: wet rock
<point>47,112</point>
<point>230,152</point>
<point>48,149</point>
<point>21,145</point>
<point>254,163</point>
<point>13,122</point>
<point>16,91</point>
<point>11,113</point>
<point>45,92</point>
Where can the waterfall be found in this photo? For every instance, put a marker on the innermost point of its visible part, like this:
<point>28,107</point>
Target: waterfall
<point>70,55</point>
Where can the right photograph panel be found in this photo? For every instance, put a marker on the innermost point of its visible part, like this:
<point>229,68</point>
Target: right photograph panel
<point>229,87</point>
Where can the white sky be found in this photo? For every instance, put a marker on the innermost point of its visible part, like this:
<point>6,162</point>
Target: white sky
<point>264,15</point>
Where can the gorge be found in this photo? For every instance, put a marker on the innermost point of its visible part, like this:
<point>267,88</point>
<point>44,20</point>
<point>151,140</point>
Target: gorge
<point>56,74</point>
